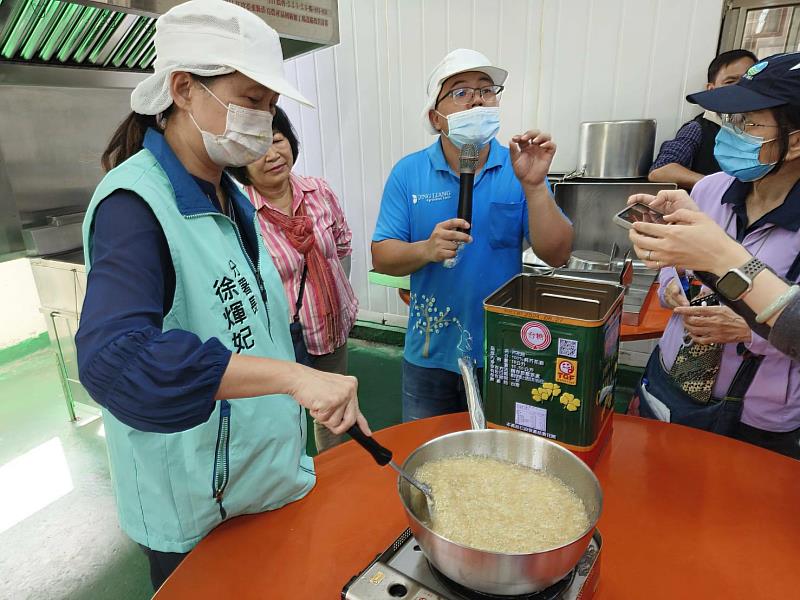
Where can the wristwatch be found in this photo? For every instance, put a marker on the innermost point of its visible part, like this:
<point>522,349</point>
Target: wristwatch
<point>737,282</point>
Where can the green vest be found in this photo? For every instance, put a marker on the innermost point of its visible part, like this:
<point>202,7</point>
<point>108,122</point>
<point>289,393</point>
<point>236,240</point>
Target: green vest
<point>172,489</point>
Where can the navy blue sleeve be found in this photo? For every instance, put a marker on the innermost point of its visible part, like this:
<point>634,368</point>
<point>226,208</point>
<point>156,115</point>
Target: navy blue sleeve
<point>148,379</point>
<point>682,149</point>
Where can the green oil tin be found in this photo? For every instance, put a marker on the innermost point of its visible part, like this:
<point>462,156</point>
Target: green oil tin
<point>551,357</point>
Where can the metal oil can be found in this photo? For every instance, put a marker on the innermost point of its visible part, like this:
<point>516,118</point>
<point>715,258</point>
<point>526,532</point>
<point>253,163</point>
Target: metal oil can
<point>551,357</point>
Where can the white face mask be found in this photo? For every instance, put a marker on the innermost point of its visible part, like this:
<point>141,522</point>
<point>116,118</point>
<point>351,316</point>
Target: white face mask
<point>478,125</point>
<point>247,135</point>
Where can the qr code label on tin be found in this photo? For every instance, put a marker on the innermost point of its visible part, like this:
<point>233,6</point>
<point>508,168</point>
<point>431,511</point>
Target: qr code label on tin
<point>568,348</point>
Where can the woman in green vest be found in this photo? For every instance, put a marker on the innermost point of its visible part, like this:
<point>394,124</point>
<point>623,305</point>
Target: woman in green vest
<point>183,339</point>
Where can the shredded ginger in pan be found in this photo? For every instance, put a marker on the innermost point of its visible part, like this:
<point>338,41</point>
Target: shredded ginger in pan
<point>493,505</point>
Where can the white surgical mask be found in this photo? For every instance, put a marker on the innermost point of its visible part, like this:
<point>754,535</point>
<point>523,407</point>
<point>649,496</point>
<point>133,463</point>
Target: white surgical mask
<point>478,125</point>
<point>247,135</point>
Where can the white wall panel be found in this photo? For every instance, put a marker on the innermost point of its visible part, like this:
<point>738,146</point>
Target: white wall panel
<point>566,29</point>
<point>635,58</point>
<point>603,38</point>
<point>569,61</point>
<point>668,73</point>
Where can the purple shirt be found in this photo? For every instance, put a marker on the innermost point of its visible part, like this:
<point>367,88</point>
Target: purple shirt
<point>773,400</point>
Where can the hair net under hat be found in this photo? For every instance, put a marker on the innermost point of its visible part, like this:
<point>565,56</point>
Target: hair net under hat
<point>209,38</point>
<point>457,61</point>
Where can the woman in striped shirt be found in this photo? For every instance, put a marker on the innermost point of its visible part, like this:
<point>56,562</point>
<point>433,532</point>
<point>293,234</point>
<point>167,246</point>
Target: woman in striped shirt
<point>304,228</point>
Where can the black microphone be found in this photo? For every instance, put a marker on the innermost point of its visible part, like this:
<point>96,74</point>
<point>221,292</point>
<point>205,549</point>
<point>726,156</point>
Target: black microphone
<point>467,164</point>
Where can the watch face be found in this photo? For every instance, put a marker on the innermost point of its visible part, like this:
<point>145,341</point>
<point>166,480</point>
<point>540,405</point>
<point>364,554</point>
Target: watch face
<point>732,285</point>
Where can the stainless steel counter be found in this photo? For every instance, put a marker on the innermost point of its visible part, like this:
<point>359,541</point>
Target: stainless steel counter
<point>635,295</point>
<point>61,283</point>
<point>591,205</point>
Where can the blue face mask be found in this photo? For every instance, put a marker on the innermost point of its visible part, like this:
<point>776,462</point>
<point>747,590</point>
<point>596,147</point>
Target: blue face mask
<point>478,125</point>
<point>737,154</point>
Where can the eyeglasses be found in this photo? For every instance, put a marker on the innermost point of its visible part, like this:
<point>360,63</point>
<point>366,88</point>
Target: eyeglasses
<point>462,96</point>
<point>739,123</point>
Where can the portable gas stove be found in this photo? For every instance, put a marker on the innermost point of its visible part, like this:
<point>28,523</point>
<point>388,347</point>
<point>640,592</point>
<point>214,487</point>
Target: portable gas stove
<point>402,571</point>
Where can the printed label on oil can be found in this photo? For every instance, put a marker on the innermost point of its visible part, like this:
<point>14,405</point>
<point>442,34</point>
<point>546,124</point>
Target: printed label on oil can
<point>535,335</point>
<point>566,371</point>
<point>531,417</point>
<point>549,375</point>
<point>568,348</point>
<point>511,367</point>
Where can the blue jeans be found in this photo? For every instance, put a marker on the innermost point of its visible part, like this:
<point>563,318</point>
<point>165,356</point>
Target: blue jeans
<point>432,392</point>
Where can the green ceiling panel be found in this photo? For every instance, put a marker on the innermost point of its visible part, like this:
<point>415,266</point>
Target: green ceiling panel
<point>116,20</point>
<point>82,29</point>
<point>21,29</point>
<point>46,31</point>
<point>127,43</point>
<point>148,59</point>
<point>140,49</point>
<point>63,27</point>
<point>100,24</point>
<point>44,26</point>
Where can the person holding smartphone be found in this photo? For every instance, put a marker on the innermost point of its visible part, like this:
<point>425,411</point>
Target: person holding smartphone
<point>674,293</point>
<point>752,392</point>
<point>696,242</point>
<point>692,240</point>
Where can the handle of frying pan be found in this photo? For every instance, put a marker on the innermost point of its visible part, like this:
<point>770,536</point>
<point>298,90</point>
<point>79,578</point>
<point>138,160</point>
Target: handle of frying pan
<point>381,455</point>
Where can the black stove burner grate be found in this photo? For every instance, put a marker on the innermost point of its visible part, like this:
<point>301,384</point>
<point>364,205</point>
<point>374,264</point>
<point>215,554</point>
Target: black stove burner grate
<point>554,592</point>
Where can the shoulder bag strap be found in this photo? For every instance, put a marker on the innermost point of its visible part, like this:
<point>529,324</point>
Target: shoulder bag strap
<point>751,362</point>
<point>299,304</point>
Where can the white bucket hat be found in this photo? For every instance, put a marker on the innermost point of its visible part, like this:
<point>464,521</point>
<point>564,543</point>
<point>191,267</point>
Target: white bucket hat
<point>457,61</point>
<point>208,38</point>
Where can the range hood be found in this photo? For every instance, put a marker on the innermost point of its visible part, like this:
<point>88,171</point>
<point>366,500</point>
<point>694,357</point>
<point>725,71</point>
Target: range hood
<point>118,34</point>
<point>67,33</point>
<point>67,69</point>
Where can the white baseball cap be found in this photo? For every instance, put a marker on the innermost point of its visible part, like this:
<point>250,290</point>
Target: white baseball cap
<point>209,38</point>
<point>460,60</point>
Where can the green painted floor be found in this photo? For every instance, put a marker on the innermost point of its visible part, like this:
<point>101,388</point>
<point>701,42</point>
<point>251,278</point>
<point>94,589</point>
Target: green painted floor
<point>59,536</point>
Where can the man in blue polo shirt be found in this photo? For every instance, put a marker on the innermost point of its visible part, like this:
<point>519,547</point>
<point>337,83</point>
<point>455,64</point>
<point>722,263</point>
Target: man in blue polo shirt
<point>416,230</point>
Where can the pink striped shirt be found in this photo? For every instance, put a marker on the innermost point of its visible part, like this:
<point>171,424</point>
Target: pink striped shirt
<point>333,236</point>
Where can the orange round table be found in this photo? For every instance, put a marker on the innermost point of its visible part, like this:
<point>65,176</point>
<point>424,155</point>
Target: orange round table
<point>686,515</point>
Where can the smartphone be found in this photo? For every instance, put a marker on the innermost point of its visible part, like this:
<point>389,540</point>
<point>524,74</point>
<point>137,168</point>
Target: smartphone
<point>707,300</point>
<point>638,213</point>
